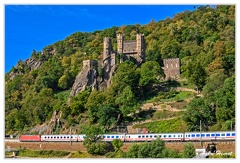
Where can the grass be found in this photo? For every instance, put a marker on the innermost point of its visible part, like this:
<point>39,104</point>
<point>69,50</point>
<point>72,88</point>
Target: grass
<point>158,115</point>
<point>171,96</point>
<point>42,153</point>
<point>171,125</point>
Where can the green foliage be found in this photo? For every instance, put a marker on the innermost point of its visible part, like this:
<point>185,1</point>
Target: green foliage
<point>117,144</point>
<point>171,125</point>
<point>42,153</point>
<point>188,150</point>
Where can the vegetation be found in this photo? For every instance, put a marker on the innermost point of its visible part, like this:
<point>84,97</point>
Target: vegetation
<point>42,153</point>
<point>203,39</point>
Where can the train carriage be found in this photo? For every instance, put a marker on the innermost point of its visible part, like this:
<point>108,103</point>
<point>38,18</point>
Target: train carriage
<point>59,138</point>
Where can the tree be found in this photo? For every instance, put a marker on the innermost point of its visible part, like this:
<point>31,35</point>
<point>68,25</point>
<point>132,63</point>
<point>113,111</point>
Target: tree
<point>196,74</point>
<point>188,150</point>
<point>107,116</point>
<point>133,151</point>
<point>127,101</point>
<point>117,143</point>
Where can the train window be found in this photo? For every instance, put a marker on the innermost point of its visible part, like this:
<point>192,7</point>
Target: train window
<point>64,137</point>
<point>207,135</point>
<point>57,137</point>
<point>112,136</point>
<point>169,136</point>
<point>68,137</point>
<point>143,136</point>
<point>104,136</point>
<point>146,136</point>
<point>233,134</point>
<point>193,135</point>
<point>222,134</point>
<point>84,136</point>
<point>217,134</point>
<point>188,135</point>
<point>139,136</point>
<point>108,136</point>
<point>178,135</point>
<point>174,136</point>
<point>228,134</point>
<point>45,137</point>
<point>51,137</point>
<point>164,136</point>
<point>117,136</point>
<point>203,135</point>
<point>155,136</point>
<point>212,134</point>
<point>71,136</point>
<point>160,136</point>
<point>197,135</point>
<point>150,136</point>
<point>54,137</point>
<point>61,137</point>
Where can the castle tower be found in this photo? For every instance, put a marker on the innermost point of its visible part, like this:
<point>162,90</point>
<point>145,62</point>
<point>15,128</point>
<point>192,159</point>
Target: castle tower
<point>172,68</point>
<point>120,43</point>
<point>107,49</point>
<point>140,46</point>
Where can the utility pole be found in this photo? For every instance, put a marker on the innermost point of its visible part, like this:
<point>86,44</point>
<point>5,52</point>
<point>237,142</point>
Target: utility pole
<point>201,134</point>
<point>70,136</point>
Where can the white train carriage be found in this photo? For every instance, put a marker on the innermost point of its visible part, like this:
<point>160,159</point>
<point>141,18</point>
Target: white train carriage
<point>111,137</point>
<point>81,138</point>
<point>153,136</point>
<point>210,136</point>
<point>59,138</point>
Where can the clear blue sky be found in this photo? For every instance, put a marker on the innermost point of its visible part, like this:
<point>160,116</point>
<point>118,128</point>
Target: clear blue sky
<point>29,27</point>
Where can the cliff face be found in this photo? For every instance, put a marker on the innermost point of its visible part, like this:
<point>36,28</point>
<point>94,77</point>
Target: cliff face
<point>87,77</point>
<point>30,63</point>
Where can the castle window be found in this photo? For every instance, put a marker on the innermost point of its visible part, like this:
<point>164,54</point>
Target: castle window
<point>167,65</point>
<point>172,65</point>
<point>176,64</point>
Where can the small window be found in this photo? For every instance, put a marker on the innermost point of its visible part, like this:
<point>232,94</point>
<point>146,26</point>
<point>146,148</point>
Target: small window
<point>197,135</point>
<point>188,135</point>
<point>212,134</point>
<point>174,136</point>
<point>155,136</point>
<point>203,135</point>
<point>207,135</point>
<point>139,136</point>
<point>57,137</point>
<point>54,137</point>
<point>117,136</point>
<point>104,136</point>
<point>45,137</point>
<point>193,135</point>
<point>51,137</point>
<point>143,136</point>
<point>169,136</point>
<point>84,136</point>
<point>108,136</point>
<point>64,137</point>
<point>150,136</point>
<point>146,136</point>
<point>164,136</point>
<point>60,137</point>
<point>217,134</point>
<point>233,134</point>
<point>160,136</point>
<point>68,137</point>
<point>112,136</point>
<point>222,134</point>
<point>228,134</point>
<point>179,136</point>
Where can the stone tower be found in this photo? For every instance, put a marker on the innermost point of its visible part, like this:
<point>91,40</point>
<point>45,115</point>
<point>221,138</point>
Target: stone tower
<point>107,50</point>
<point>140,46</point>
<point>172,68</point>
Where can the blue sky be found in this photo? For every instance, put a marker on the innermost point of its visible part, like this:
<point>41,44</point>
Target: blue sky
<point>29,27</point>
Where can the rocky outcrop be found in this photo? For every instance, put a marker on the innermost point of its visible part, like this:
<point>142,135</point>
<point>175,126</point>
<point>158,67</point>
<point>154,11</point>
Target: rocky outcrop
<point>86,78</point>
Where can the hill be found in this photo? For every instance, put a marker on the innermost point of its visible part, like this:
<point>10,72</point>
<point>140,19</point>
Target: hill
<point>38,90</point>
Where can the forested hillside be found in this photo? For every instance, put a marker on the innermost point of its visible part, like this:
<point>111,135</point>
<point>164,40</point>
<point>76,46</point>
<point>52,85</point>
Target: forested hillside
<point>203,39</point>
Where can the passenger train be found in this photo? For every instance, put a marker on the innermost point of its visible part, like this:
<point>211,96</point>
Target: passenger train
<point>186,136</point>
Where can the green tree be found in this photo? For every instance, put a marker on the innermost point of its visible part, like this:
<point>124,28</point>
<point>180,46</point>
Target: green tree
<point>133,151</point>
<point>127,101</point>
<point>196,75</point>
<point>117,144</point>
<point>188,150</point>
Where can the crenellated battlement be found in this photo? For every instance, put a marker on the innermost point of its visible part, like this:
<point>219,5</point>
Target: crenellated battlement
<point>172,68</point>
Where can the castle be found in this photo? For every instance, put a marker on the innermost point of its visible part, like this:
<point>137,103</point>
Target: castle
<point>133,50</point>
<point>128,50</point>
